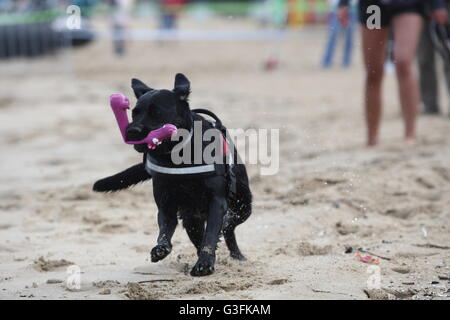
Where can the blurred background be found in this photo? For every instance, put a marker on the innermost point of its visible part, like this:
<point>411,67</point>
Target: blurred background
<point>33,28</point>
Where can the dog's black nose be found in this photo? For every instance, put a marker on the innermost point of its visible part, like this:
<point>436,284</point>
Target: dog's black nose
<point>134,133</point>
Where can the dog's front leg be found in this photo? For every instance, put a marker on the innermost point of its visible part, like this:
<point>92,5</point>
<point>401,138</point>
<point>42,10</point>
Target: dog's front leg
<point>207,255</point>
<point>167,221</point>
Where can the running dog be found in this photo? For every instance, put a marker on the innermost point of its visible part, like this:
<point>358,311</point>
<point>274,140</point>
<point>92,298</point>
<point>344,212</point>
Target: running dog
<point>211,200</point>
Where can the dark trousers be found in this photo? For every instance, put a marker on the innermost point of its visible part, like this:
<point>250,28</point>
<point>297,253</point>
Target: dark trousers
<point>428,75</point>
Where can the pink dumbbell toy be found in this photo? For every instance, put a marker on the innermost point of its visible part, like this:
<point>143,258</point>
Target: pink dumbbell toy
<point>119,105</point>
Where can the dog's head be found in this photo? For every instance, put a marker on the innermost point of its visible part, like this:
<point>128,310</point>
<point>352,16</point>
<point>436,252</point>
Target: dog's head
<point>155,108</point>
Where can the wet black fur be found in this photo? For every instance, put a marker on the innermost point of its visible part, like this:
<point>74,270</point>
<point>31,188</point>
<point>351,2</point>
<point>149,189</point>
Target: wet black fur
<point>203,204</point>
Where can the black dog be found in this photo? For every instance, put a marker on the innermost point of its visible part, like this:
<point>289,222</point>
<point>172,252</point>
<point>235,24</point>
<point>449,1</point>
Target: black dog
<point>204,201</point>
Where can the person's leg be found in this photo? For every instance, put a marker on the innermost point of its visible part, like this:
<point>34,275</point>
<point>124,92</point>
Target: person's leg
<point>348,45</point>
<point>446,61</point>
<point>406,28</point>
<point>333,30</point>
<point>374,51</point>
<point>119,39</point>
<point>447,78</point>
<point>427,72</point>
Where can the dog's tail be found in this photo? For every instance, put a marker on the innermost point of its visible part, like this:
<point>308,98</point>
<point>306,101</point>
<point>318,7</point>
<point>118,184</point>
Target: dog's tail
<point>123,180</point>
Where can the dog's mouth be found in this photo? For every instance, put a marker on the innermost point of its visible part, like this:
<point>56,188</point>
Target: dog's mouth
<point>154,138</point>
<point>141,148</point>
<point>136,133</point>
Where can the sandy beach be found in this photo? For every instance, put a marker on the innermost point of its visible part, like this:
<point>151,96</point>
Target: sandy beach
<point>331,194</point>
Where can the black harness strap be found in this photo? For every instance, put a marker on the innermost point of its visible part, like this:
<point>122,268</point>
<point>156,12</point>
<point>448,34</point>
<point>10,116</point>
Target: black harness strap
<point>230,167</point>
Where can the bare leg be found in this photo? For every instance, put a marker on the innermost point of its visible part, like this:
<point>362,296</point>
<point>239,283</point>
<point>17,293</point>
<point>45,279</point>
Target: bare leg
<point>407,28</point>
<point>374,51</point>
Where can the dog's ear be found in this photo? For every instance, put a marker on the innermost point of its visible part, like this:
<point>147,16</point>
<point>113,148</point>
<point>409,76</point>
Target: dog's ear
<point>182,87</point>
<point>139,87</point>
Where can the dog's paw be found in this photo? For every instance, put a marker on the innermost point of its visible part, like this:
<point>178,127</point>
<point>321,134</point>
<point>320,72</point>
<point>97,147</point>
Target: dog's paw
<point>238,256</point>
<point>202,268</point>
<point>160,252</point>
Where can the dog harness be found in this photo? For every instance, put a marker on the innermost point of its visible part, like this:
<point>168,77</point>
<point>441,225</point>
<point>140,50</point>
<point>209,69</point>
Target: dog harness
<point>119,103</point>
<point>153,167</point>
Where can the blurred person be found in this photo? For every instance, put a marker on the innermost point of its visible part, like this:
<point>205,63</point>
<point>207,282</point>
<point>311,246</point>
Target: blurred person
<point>335,29</point>
<point>427,69</point>
<point>119,20</point>
<point>169,13</point>
<point>19,6</point>
<point>404,18</point>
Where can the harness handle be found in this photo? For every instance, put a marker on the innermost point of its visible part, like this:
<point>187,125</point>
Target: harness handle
<point>212,115</point>
<point>218,125</point>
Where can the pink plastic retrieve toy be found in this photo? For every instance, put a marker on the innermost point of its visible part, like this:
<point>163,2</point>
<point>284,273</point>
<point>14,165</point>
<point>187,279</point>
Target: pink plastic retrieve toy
<point>119,105</point>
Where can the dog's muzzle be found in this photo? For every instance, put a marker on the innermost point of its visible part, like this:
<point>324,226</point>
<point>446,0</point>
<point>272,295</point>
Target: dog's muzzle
<point>135,133</point>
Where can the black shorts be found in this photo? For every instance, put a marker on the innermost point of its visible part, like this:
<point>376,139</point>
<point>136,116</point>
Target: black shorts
<point>387,11</point>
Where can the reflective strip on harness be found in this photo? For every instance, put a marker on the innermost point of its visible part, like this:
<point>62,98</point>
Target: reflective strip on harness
<point>190,170</point>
